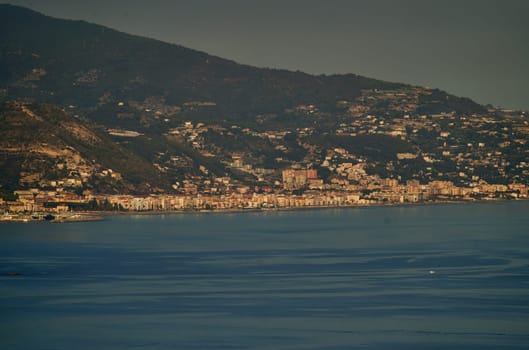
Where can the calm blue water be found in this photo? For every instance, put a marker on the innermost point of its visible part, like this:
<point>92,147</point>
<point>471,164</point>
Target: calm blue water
<point>316,279</point>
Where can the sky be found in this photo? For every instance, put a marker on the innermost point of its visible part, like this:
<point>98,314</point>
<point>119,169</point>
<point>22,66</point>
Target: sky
<point>473,48</point>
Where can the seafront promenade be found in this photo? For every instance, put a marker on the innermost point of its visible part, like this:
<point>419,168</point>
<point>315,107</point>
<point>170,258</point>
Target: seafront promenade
<point>49,217</point>
<point>98,215</point>
<point>39,205</point>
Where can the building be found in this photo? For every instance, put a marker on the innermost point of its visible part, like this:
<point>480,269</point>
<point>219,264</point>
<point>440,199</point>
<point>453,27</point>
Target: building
<point>297,179</point>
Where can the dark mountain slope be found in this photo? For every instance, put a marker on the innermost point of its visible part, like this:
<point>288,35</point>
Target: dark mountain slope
<point>41,143</point>
<point>73,62</point>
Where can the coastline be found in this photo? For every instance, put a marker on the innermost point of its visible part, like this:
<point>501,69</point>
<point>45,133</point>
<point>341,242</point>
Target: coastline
<point>59,218</point>
<point>257,210</point>
<point>89,216</point>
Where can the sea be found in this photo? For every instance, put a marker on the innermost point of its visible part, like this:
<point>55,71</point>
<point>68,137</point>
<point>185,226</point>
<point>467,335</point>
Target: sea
<point>445,276</point>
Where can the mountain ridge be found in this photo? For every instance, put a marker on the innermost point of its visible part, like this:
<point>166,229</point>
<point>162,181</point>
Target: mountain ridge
<point>176,120</point>
<point>80,62</point>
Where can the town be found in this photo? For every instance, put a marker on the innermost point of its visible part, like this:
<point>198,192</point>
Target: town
<point>34,204</point>
<point>377,150</point>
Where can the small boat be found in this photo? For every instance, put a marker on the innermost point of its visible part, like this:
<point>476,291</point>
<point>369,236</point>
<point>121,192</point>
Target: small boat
<point>49,217</point>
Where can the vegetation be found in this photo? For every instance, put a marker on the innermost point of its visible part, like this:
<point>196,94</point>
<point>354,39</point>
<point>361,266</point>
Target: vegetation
<point>126,114</point>
<point>375,147</point>
<point>92,61</point>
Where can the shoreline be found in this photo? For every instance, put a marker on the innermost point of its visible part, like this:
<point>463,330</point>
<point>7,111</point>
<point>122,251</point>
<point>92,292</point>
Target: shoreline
<point>58,218</point>
<point>257,210</point>
<point>89,216</point>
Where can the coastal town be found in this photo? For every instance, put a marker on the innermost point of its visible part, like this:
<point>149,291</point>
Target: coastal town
<point>107,134</point>
<point>378,150</point>
<point>37,205</point>
<point>264,175</point>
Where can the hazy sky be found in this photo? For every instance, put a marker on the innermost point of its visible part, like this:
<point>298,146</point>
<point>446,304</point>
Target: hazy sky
<point>474,48</point>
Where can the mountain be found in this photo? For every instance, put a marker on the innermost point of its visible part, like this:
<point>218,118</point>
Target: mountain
<point>77,63</point>
<point>86,107</point>
<point>40,144</point>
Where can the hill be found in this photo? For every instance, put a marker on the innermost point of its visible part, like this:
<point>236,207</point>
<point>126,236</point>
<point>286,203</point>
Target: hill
<point>88,66</point>
<point>88,107</point>
<point>42,146</point>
